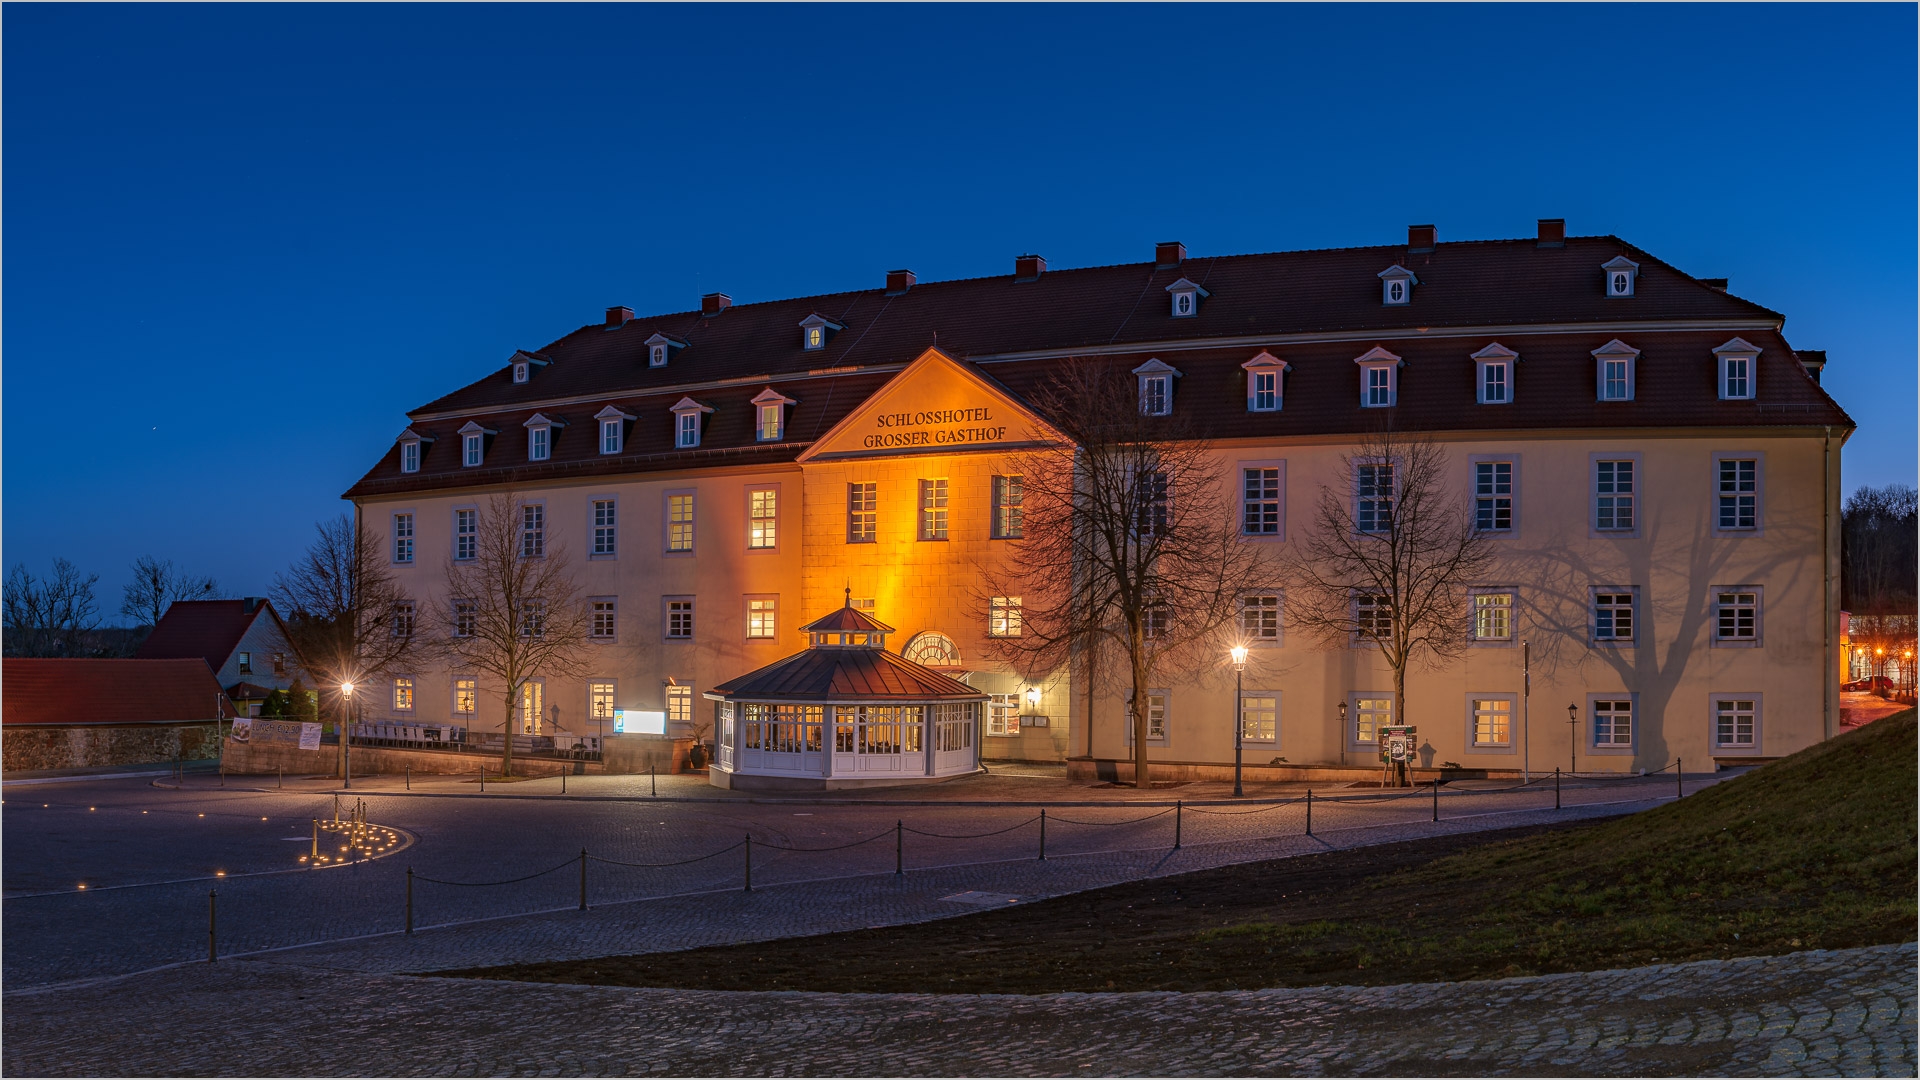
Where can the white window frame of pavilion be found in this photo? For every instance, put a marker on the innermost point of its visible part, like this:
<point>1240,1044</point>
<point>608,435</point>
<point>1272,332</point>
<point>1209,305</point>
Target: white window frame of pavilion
<point>685,437</point>
<point>1265,364</point>
<point>770,415</point>
<point>1494,355</point>
<point>617,421</point>
<point>1738,375</point>
<point>1374,360</point>
<point>540,430</point>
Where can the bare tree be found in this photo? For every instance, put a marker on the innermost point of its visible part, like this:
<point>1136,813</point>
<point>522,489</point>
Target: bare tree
<point>516,612</point>
<point>1128,538</point>
<point>50,616</point>
<point>348,620</point>
<point>156,584</point>
<point>1389,558</point>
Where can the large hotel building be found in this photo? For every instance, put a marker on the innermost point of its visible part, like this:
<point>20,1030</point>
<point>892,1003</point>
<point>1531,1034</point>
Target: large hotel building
<point>1660,467</point>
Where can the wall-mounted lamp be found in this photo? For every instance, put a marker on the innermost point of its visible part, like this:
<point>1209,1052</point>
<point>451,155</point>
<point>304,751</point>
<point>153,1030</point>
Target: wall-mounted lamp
<point>1033,696</point>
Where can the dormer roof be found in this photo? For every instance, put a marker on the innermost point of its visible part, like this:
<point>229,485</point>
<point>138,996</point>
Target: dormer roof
<point>1616,347</point>
<point>1738,347</point>
<point>1156,366</point>
<point>543,420</point>
<point>687,404</point>
<point>1378,355</point>
<point>662,339</point>
<point>1184,285</point>
<point>1495,351</point>
<point>1264,359</point>
<point>613,413</point>
<point>817,319</point>
<point>770,396</point>
<point>1620,262</point>
<point>1397,271</point>
<point>410,435</point>
<point>472,427</point>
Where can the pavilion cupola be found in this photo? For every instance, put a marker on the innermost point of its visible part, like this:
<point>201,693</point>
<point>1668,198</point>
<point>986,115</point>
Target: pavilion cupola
<point>847,628</point>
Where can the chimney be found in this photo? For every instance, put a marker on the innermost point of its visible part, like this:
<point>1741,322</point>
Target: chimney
<point>1420,238</point>
<point>1553,233</point>
<point>1028,268</point>
<point>619,316</point>
<point>1716,283</point>
<point>899,281</point>
<point>714,303</point>
<point>1169,254</point>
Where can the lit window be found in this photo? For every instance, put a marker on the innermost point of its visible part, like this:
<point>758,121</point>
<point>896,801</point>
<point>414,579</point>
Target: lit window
<point>680,620</point>
<point>762,518</point>
<point>1613,723</point>
<point>606,531</point>
<point>1009,513</point>
<point>1260,619</point>
<point>1492,722</point>
<point>1613,495</point>
<point>600,698</point>
<point>1156,717</point>
<point>863,515</point>
<point>1259,718</point>
<point>604,621</point>
<point>1370,714</point>
<point>1373,494</point>
<point>816,337</point>
<point>770,422</point>
<point>1613,616</point>
<point>680,522</point>
<point>1733,722</point>
<point>533,531</point>
<point>1372,615</point>
<point>1260,501</point>
<point>410,456</point>
<point>815,331</point>
<point>1738,492</point>
<point>1738,617</point>
<point>1493,617</point>
<point>403,538</point>
<point>1493,496</point>
<point>1003,616</point>
<point>466,696</point>
<point>403,619</point>
<point>1003,714</point>
<point>761,617</point>
<point>770,410</point>
<point>465,618</point>
<point>933,509</point>
<point>466,534</point>
<point>403,694</point>
<point>679,710</point>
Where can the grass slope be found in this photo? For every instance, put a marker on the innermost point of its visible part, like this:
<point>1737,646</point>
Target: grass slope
<point>1814,851</point>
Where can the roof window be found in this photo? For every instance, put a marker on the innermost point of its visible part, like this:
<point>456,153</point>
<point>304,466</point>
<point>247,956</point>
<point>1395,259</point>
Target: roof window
<point>1620,274</point>
<point>473,444</point>
<point>1613,371</point>
<point>613,429</point>
<point>411,449</point>
<point>686,422</point>
<point>770,415</point>
<point>523,362</point>
<point>815,329</point>
<point>660,349</point>
<point>1156,387</point>
<point>1396,285</point>
<point>1493,369</point>
<point>1739,360</point>
<point>1379,378</point>
<point>1264,382</point>
<point>540,436</point>
<point>1186,298</point>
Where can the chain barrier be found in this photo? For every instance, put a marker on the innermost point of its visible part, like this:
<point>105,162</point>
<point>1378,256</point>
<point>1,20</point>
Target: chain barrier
<point>1129,821</point>
<point>680,862</point>
<point>969,836</point>
<point>571,859</point>
<point>856,843</point>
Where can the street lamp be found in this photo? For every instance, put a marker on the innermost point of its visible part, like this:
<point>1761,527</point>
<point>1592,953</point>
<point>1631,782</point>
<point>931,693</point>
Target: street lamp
<point>1573,739</point>
<point>1239,719</point>
<point>346,738</point>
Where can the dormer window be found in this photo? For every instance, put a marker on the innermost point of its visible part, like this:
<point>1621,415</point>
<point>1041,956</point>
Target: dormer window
<point>686,422</point>
<point>522,364</point>
<point>1620,274</point>
<point>613,429</point>
<point>769,415</point>
<point>1156,387</point>
<point>410,450</point>
<point>660,348</point>
<point>1379,378</point>
<point>473,444</point>
<point>540,436</point>
<point>1738,361</point>
<point>522,371</point>
<point>1396,285</point>
<point>1186,298</point>
<point>815,330</point>
<point>1493,374</point>
<point>1613,370</point>
<point>1264,373</point>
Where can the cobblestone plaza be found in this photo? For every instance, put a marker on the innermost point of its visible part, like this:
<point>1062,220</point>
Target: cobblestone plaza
<point>314,975</point>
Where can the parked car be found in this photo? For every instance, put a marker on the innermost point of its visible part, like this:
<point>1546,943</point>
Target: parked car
<point>1872,684</point>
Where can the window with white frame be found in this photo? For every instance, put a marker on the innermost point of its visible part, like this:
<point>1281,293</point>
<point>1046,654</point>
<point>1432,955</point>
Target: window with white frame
<point>533,530</point>
<point>466,696</point>
<point>863,603</point>
<point>1156,716</point>
<point>403,538</point>
<point>1003,714</point>
<point>604,623</point>
<point>1186,297</point>
<point>763,518</point>
<point>1156,618</point>
<point>1736,377</point>
<point>1613,493</point>
<point>1736,616</point>
<point>1259,717</point>
<point>466,616</point>
<point>1493,384</point>
<point>600,699</point>
<point>680,618</point>
<point>1733,723</point>
<point>679,709</point>
<point>1379,391</point>
<point>539,442</point>
<point>1156,387</point>
<point>1738,490</point>
<point>1260,501</point>
<point>1613,722</point>
<point>762,621</point>
<point>768,428</point>
<point>533,618</point>
<point>1493,496</point>
<point>1396,285</point>
<point>403,693</point>
<point>1613,370</point>
<point>1373,497</point>
<point>657,355</point>
<point>473,449</point>
<point>606,529</point>
<point>1009,507</point>
<point>689,429</point>
<point>1370,714</point>
<point>1613,615</point>
<point>863,513</point>
<point>1003,616</point>
<point>1372,616</point>
<point>680,522</point>
<point>1260,619</point>
<point>1264,373</point>
<point>1493,374</point>
<point>410,456</point>
<point>1149,504</point>
<point>1621,272</point>
<point>612,434</point>
<point>1492,722</point>
<point>1493,617</point>
<point>403,619</point>
<point>933,509</point>
<point>522,371</point>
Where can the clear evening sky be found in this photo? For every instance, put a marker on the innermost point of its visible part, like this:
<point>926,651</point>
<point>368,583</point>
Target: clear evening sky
<point>241,241</point>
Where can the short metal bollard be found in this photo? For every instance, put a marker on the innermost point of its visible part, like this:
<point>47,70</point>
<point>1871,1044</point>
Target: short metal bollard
<point>483,780</point>
<point>409,900</point>
<point>409,777</point>
<point>316,843</point>
<point>1436,798</point>
<point>1679,778</point>
<point>212,950</point>
<point>899,848</point>
<point>563,781</point>
<point>1556,787</point>
<point>1043,834</point>
<point>280,780</point>
<point>1176,823</point>
<point>583,879</point>
<point>1309,811</point>
<point>653,784</point>
<point>749,862</point>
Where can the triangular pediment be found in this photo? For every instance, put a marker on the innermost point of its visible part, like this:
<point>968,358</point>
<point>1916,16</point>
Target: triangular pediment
<point>935,405</point>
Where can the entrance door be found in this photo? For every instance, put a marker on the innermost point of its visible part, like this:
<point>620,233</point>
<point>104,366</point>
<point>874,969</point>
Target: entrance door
<point>533,698</point>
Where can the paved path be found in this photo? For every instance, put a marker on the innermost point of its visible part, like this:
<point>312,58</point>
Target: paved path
<point>1811,1014</point>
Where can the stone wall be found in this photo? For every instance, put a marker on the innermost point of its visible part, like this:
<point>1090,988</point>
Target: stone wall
<point>74,746</point>
<point>624,754</point>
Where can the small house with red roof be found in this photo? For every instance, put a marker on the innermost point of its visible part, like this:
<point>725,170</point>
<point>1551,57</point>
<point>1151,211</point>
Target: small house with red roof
<point>242,641</point>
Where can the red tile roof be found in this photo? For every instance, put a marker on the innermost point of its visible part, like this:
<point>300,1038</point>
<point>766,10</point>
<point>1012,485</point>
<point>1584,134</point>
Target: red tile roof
<point>36,691</point>
<point>847,675</point>
<point>209,629</point>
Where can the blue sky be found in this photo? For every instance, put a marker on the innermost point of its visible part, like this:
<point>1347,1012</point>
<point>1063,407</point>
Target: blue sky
<point>240,241</point>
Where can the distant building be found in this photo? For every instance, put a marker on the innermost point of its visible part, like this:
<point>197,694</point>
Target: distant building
<point>65,714</point>
<point>243,642</point>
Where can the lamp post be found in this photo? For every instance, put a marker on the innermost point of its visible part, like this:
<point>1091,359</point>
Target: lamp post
<point>346,737</point>
<point>1239,719</point>
<point>1573,739</point>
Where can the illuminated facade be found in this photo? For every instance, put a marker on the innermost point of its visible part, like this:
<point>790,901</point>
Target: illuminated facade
<point>1661,469</point>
